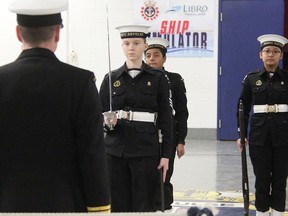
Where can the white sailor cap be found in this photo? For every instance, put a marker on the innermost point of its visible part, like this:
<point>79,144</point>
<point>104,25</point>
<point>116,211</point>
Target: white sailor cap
<point>134,31</point>
<point>38,13</point>
<point>272,40</point>
<point>157,42</point>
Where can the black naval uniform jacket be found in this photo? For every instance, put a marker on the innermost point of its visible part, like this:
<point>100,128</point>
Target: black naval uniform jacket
<point>259,89</point>
<point>147,92</point>
<point>52,154</point>
<point>179,101</point>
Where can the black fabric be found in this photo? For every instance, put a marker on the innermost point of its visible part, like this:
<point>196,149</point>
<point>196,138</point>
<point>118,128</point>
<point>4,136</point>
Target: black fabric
<point>39,20</point>
<point>180,117</point>
<point>52,156</point>
<point>134,35</point>
<point>133,183</point>
<point>147,92</point>
<point>268,137</point>
<point>134,146</point>
<point>259,89</point>
<point>270,168</point>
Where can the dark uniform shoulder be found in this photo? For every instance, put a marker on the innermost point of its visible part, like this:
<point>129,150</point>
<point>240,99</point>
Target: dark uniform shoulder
<point>252,74</point>
<point>148,68</point>
<point>154,71</point>
<point>78,73</point>
<point>174,75</point>
<point>116,73</point>
<point>175,78</point>
<point>255,72</point>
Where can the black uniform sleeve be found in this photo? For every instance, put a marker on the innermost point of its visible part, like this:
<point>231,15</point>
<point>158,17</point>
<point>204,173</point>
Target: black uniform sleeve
<point>91,150</point>
<point>181,111</point>
<point>246,97</point>
<point>165,116</point>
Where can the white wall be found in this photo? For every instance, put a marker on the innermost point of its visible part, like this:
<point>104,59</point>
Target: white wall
<point>85,33</point>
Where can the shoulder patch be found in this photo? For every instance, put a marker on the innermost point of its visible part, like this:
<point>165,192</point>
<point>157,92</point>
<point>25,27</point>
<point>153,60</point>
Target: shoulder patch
<point>244,79</point>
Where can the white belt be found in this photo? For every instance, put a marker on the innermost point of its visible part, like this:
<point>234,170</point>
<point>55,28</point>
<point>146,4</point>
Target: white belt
<point>270,108</point>
<point>136,116</point>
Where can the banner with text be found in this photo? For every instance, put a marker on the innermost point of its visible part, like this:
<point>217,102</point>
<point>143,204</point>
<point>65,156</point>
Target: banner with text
<point>188,25</point>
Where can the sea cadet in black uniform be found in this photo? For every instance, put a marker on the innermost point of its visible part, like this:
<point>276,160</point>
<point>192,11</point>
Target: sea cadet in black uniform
<point>265,92</point>
<point>155,56</point>
<point>140,101</point>
<point>52,153</point>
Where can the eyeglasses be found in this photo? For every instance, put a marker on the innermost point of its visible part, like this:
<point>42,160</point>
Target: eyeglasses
<point>273,52</point>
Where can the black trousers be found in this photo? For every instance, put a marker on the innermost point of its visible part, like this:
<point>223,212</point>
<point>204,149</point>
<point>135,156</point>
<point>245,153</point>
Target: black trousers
<point>133,183</point>
<point>270,169</point>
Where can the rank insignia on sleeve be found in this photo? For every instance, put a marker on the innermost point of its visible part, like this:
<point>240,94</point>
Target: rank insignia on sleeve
<point>258,83</point>
<point>117,83</point>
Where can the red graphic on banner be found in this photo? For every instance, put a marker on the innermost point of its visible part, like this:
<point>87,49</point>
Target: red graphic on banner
<point>174,26</point>
<point>150,11</point>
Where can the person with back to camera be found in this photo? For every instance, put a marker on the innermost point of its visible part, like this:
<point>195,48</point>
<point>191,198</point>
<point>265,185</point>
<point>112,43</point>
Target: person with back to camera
<point>140,101</point>
<point>266,92</point>
<point>52,154</point>
<point>155,56</point>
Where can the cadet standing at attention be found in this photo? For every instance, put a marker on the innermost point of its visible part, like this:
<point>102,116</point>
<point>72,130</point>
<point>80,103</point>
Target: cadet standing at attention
<point>52,155</point>
<point>266,92</point>
<point>155,56</point>
<point>140,100</point>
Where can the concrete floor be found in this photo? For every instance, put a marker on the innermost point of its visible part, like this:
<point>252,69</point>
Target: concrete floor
<point>210,165</point>
<point>210,174</point>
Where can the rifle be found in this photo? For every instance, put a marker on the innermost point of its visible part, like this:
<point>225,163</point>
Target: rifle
<point>245,184</point>
<point>161,175</point>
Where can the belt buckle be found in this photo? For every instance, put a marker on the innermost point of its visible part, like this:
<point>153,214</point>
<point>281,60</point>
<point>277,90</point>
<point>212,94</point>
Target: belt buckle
<point>271,108</point>
<point>127,115</point>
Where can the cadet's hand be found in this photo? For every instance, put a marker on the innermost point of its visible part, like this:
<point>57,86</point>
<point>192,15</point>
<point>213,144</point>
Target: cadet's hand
<point>240,145</point>
<point>180,150</point>
<point>109,122</point>
<point>110,118</point>
<point>164,165</point>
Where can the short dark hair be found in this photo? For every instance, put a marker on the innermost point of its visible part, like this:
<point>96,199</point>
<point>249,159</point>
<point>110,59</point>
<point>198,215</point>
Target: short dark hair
<point>35,36</point>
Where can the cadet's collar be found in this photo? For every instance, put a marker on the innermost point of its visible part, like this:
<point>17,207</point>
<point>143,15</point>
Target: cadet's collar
<point>144,68</point>
<point>39,52</point>
<point>120,71</point>
<point>277,71</point>
<point>136,68</point>
<point>123,69</point>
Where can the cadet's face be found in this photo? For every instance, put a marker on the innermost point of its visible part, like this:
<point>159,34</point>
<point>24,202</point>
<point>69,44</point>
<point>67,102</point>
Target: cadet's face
<point>271,55</point>
<point>133,48</point>
<point>154,58</point>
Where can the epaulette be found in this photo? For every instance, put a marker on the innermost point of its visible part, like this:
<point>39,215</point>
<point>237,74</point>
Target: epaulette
<point>116,73</point>
<point>244,79</point>
<point>254,72</point>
